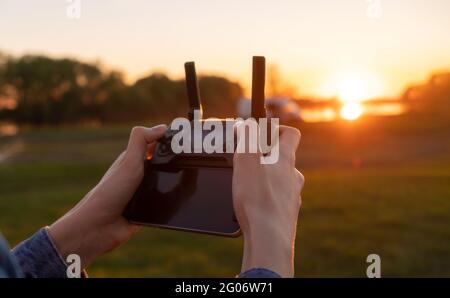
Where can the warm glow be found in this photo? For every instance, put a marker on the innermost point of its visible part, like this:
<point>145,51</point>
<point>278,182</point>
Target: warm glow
<point>352,86</point>
<point>297,39</point>
<point>352,89</point>
<point>351,111</point>
<point>318,115</point>
<point>358,87</point>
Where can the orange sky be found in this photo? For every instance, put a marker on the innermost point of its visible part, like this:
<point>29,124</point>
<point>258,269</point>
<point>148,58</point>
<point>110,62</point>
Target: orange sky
<point>352,48</point>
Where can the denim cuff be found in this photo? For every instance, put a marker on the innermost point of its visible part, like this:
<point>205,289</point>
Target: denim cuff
<point>259,273</point>
<point>8,265</point>
<point>38,257</point>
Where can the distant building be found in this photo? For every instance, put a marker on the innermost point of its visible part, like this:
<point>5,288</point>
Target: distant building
<point>284,108</point>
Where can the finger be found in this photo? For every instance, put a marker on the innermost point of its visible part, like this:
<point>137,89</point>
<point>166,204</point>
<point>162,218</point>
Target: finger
<point>248,135</point>
<point>244,158</point>
<point>142,136</point>
<point>236,125</point>
<point>289,139</point>
<point>248,138</point>
<point>150,150</point>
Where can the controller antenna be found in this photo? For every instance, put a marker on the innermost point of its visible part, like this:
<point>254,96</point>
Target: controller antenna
<point>192,90</point>
<point>258,83</point>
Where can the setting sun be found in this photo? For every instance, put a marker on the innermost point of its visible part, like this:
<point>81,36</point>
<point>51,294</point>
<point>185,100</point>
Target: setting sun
<point>358,86</point>
<point>352,86</point>
<point>351,111</point>
<point>352,89</point>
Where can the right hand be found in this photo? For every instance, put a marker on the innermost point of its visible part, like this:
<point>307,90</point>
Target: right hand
<point>266,200</point>
<point>96,225</point>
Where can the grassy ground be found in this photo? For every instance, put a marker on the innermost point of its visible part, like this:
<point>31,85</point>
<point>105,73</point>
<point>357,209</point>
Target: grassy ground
<point>374,186</point>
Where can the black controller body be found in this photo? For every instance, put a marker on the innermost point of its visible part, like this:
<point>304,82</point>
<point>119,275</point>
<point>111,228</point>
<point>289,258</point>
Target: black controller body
<point>189,191</point>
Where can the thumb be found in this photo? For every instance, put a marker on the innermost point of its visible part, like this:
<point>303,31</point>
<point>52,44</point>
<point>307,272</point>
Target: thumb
<point>141,137</point>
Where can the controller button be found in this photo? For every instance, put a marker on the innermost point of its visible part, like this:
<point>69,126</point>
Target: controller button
<point>164,149</point>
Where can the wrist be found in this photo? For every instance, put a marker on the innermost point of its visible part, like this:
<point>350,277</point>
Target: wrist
<point>270,248</point>
<point>71,236</point>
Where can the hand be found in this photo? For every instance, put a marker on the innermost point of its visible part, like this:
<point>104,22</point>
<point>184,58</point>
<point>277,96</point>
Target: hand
<point>266,201</point>
<point>95,225</point>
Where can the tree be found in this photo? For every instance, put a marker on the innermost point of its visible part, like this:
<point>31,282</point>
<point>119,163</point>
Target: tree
<point>219,96</point>
<point>57,91</point>
<point>51,90</point>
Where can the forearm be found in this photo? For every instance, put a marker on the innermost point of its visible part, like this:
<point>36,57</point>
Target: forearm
<point>271,247</point>
<point>75,237</point>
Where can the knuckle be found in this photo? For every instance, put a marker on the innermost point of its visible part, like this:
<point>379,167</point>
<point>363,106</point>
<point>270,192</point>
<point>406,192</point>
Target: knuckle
<point>299,181</point>
<point>290,140</point>
<point>296,133</point>
<point>137,131</point>
<point>292,130</point>
<point>301,178</point>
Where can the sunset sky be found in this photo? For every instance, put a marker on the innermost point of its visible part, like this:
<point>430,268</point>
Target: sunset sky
<point>321,47</point>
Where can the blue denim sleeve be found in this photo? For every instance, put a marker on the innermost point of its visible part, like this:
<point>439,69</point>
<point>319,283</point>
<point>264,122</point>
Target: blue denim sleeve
<point>8,266</point>
<point>259,273</point>
<point>38,257</point>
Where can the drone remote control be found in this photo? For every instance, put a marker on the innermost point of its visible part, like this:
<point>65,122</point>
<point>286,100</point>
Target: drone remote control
<point>193,191</point>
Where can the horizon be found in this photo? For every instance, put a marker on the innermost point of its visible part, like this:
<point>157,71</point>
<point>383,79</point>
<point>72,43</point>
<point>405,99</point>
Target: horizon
<point>105,67</point>
<point>372,56</point>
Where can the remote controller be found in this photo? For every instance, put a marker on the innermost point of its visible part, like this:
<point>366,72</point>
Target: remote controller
<point>193,191</point>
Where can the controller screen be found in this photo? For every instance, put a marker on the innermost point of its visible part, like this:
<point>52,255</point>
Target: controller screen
<point>187,198</point>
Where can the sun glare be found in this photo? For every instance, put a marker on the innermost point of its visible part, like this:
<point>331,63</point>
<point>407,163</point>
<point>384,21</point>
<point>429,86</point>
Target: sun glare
<point>351,111</point>
<point>352,89</point>
<point>352,86</point>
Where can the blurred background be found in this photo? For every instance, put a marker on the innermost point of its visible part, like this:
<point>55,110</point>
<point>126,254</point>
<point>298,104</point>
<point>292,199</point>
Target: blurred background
<point>366,81</point>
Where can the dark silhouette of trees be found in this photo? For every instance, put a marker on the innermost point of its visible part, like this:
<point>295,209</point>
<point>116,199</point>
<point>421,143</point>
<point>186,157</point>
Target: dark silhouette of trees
<point>432,98</point>
<point>219,96</point>
<point>54,91</point>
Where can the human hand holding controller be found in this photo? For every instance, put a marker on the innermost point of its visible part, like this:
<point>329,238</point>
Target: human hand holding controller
<point>266,197</point>
<point>95,225</point>
<point>266,204</point>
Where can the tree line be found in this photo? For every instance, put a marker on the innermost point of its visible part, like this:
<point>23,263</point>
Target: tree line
<point>46,90</point>
<point>431,97</point>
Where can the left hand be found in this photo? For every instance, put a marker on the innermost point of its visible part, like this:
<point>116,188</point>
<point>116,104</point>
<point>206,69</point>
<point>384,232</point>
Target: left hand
<point>95,225</point>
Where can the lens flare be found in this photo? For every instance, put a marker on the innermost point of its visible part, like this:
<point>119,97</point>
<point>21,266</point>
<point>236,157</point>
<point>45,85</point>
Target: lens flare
<point>351,111</point>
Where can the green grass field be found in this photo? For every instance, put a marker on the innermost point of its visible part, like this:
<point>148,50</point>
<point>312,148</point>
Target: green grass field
<point>373,186</point>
